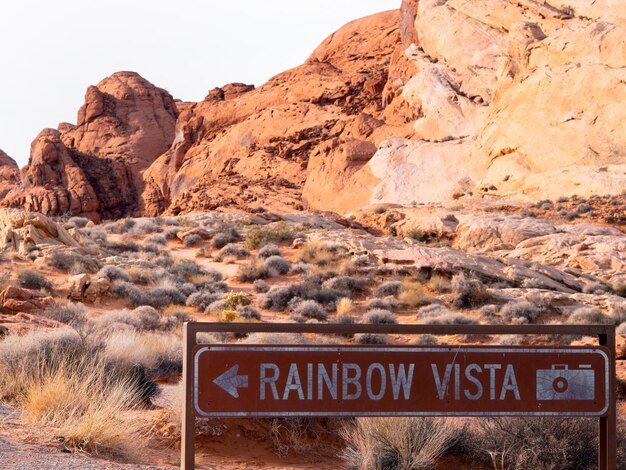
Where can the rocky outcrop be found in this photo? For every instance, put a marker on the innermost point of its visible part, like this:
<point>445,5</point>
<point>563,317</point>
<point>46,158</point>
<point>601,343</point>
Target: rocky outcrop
<point>9,174</point>
<point>94,168</point>
<point>20,231</point>
<point>14,300</point>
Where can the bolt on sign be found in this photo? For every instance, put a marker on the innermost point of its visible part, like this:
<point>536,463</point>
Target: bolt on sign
<point>399,381</point>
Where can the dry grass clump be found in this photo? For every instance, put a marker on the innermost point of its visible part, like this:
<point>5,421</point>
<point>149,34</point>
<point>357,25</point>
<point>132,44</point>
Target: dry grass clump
<point>413,294</point>
<point>113,273</point>
<point>589,316</point>
<point>388,303</point>
<point>252,271</point>
<point>160,354</point>
<point>344,306</point>
<point>272,233</point>
<point>68,383</point>
<point>320,253</point>
<point>78,222</point>
<point>398,443</point>
<point>269,250</point>
<point>389,288</point>
<point>231,251</point>
<point>277,265</point>
<point>348,284</point>
<point>248,313</point>
<point>191,240</point>
<point>533,443</point>
<point>440,283</point>
<point>370,339</point>
<point>32,280</point>
<point>260,286</point>
<point>73,314</point>
<point>69,262</point>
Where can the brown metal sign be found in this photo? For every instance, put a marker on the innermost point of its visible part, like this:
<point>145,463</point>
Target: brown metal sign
<point>264,381</point>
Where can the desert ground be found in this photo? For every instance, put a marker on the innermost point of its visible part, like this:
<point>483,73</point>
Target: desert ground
<point>92,319</point>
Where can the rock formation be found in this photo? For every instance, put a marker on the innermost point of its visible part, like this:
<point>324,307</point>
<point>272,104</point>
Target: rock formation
<point>94,168</point>
<point>439,99</point>
<point>9,174</point>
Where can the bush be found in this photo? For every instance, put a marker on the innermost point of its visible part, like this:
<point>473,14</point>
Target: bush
<point>520,311</point>
<point>533,443</point>
<point>311,309</point>
<point>233,299</point>
<point>425,340</point>
<point>231,251</point>
<point>144,227</point>
<point>156,240</point>
<point>439,315</point>
<point>141,318</point>
<point>201,300</point>
<point>163,296</point>
<point>248,313</point>
<point>79,222</point>
<point>469,293</point>
<point>128,291</point>
<point>220,240</point>
<point>380,317</point>
<point>228,315</point>
<point>252,272</point>
<point>589,316</point>
<point>346,284</point>
<point>69,313</point>
<point>67,261</point>
<point>398,443</point>
<point>345,319</point>
<point>440,283</point>
<point>300,268</point>
<point>277,264</point>
<point>113,273</point>
<point>269,250</point>
<point>192,240</point>
<point>32,280</point>
<point>260,286</point>
<point>370,338</point>
<point>621,329</point>
<point>388,288</point>
<point>388,303</point>
<point>186,269</point>
<point>272,233</point>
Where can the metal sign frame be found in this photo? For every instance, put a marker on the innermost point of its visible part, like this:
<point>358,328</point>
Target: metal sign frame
<point>607,452</point>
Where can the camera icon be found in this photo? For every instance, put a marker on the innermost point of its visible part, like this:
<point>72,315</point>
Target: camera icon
<point>562,383</point>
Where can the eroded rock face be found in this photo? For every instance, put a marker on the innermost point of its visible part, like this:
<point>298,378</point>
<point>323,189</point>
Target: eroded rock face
<point>94,168</point>
<point>21,231</point>
<point>9,174</point>
<point>14,300</point>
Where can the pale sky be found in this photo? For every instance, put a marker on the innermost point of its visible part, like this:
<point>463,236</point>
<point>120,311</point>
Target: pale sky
<point>50,51</point>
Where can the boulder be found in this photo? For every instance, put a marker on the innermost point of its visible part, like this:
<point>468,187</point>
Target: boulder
<point>85,288</point>
<point>9,174</point>
<point>15,300</point>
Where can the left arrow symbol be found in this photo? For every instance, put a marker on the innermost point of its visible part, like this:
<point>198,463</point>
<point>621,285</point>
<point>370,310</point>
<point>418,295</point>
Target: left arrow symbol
<point>230,381</point>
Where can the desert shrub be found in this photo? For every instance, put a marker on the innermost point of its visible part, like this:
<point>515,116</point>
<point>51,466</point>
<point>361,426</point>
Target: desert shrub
<point>345,319</point>
<point>113,273</point>
<point>65,382</point>
<point>69,313</point>
<point>272,233</point>
<point>252,271</point>
<point>346,284</point>
<point>388,288</point>
<point>300,268</point>
<point>621,329</point>
<point>126,290</point>
<point>425,340</point>
<point>260,286</point>
<point>216,307</point>
<point>520,311</point>
<point>228,315</point>
<point>79,222</point>
<point>316,252</point>
<point>388,303</point>
<point>413,294</point>
<point>269,250</point>
<point>533,443</point>
<point>380,317</point>
<point>344,306</point>
<point>141,318</point>
<point>171,233</point>
<point>192,240</point>
<point>201,300</point>
<point>209,276</point>
<point>439,315</point>
<point>584,208</point>
<point>153,248</point>
<point>370,338</point>
<point>220,240</point>
<point>68,261</point>
<point>163,296</point>
<point>231,251</point>
<point>589,316</point>
<point>489,313</point>
<point>32,280</point>
<point>186,269</point>
<point>233,299</point>
<point>144,227</point>
<point>597,288</point>
<point>156,240</point>
<point>277,264</point>
<point>398,443</point>
<point>96,234</point>
<point>122,247</point>
<point>311,309</point>
<point>141,276</point>
<point>248,313</point>
<point>468,293</point>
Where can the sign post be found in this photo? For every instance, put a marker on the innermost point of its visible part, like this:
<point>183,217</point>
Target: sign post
<point>224,380</point>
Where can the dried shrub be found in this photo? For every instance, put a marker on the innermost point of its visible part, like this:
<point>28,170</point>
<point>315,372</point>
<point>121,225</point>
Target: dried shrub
<point>269,250</point>
<point>413,294</point>
<point>380,317</point>
<point>272,233</point>
<point>520,312</point>
<point>469,293</point>
<point>388,288</point>
<point>370,338</point>
<point>260,286</point>
<point>113,273</point>
<point>252,272</point>
<point>233,299</point>
<point>310,309</point>
<point>344,306</point>
<point>248,313</point>
<point>32,280</point>
<point>439,315</point>
<point>277,264</point>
